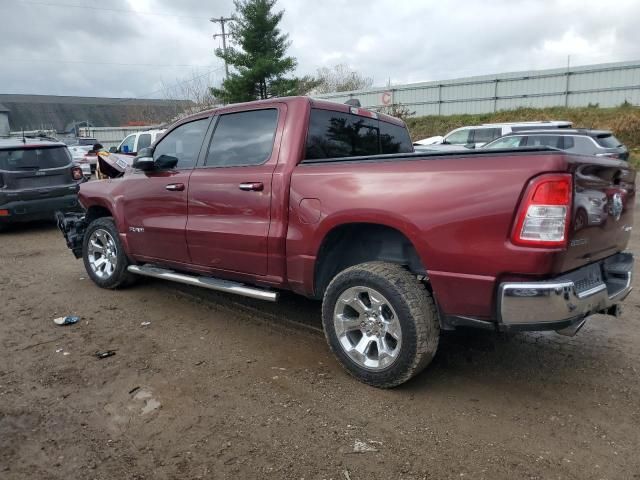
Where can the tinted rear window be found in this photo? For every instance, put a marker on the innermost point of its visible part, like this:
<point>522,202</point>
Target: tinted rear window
<point>336,134</point>
<point>394,139</point>
<point>608,141</point>
<point>34,158</point>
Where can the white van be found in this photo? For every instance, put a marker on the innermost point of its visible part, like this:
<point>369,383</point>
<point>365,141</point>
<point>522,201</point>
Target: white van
<point>135,142</point>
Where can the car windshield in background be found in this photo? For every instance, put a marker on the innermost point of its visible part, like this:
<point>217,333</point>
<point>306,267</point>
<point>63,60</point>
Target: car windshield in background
<point>608,141</point>
<point>34,158</point>
<point>336,134</point>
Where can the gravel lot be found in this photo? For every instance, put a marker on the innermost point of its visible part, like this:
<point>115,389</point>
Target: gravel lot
<point>217,386</point>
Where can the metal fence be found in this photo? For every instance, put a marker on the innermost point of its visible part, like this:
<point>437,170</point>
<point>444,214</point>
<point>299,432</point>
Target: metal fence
<point>112,136</point>
<point>607,85</point>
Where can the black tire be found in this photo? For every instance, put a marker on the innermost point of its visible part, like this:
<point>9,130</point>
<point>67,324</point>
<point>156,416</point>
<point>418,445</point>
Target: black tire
<point>416,312</point>
<point>120,277</point>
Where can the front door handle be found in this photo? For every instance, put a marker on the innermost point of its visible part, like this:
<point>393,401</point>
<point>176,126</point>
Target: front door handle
<point>175,187</point>
<point>251,186</point>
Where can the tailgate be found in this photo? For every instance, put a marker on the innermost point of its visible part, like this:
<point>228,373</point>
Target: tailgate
<point>603,203</point>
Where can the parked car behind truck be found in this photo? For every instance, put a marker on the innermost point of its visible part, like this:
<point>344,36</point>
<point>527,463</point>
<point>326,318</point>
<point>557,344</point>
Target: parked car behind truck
<point>331,202</point>
<point>37,178</point>
<point>478,135</point>
<point>601,143</point>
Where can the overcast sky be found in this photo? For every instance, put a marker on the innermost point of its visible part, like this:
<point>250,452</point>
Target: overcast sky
<point>46,45</point>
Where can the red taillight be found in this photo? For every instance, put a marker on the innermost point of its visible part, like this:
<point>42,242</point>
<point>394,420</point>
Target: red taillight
<point>544,214</point>
<point>76,173</point>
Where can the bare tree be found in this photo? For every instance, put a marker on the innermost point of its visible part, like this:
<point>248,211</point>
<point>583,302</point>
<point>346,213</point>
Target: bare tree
<point>197,89</point>
<point>398,110</point>
<point>340,78</point>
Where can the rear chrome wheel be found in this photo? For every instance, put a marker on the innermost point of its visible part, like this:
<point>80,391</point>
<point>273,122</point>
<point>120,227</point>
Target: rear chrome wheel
<point>102,253</point>
<point>367,327</point>
<point>381,323</point>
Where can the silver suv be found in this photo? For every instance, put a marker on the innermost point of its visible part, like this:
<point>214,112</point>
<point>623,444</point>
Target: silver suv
<point>600,143</point>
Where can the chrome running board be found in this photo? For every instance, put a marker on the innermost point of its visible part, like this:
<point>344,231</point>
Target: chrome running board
<point>205,282</point>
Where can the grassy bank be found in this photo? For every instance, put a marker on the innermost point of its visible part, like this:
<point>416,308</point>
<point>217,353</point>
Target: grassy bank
<point>623,121</point>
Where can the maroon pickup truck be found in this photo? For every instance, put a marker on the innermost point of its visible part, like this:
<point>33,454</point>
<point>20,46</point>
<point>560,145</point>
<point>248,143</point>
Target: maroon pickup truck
<point>331,202</point>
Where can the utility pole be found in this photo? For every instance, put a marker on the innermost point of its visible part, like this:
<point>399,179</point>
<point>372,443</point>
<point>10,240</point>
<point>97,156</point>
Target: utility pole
<point>222,21</point>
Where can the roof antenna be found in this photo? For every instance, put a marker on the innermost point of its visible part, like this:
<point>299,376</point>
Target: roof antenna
<point>24,140</point>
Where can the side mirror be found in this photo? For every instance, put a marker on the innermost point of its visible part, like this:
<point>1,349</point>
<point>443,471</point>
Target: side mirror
<point>144,160</point>
<point>113,149</point>
<point>470,146</point>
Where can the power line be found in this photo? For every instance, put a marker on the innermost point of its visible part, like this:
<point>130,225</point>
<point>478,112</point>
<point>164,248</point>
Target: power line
<point>82,62</point>
<point>167,87</point>
<point>121,10</point>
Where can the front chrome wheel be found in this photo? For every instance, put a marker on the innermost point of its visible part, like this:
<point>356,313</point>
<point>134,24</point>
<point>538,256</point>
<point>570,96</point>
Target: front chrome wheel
<point>102,253</point>
<point>367,327</point>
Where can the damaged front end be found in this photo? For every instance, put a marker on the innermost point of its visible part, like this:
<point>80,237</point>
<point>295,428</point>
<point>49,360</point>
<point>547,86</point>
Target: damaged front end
<point>73,226</point>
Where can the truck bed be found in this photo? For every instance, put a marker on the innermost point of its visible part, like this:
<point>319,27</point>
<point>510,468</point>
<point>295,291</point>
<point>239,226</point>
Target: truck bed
<point>457,210</point>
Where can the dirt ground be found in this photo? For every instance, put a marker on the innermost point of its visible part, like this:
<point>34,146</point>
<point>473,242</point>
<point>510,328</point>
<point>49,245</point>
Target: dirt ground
<point>217,386</point>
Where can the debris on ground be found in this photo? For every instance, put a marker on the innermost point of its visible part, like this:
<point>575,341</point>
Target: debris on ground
<point>150,403</point>
<point>364,447</point>
<point>68,320</point>
<point>105,354</point>
<point>144,324</point>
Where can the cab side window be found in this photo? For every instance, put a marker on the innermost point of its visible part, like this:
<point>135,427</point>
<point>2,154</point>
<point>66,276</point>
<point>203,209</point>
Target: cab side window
<point>144,140</point>
<point>243,138</point>
<point>183,143</point>
<point>461,137</point>
<point>485,135</point>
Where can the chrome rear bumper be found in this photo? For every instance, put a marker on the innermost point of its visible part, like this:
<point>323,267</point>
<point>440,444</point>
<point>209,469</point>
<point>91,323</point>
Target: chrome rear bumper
<point>568,299</point>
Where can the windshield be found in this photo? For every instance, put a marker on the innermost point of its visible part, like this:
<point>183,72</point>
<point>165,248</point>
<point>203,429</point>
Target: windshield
<point>34,158</point>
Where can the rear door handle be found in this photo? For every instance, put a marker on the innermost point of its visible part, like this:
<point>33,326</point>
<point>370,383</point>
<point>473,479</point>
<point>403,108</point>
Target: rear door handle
<point>251,186</point>
<point>175,187</point>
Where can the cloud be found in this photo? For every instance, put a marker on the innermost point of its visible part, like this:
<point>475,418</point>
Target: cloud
<point>407,41</point>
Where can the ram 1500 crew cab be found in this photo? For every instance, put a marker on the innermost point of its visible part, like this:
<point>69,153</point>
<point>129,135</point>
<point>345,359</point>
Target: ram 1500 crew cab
<point>331,202</point>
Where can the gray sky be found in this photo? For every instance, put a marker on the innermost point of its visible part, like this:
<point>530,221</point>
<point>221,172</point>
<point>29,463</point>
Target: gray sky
<point>405,41</point>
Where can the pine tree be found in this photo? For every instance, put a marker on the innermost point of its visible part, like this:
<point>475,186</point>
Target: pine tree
<point>260,61</point>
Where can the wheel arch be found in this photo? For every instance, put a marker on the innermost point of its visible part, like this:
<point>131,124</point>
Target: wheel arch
<point>97,211</point>
<point>351,243</point>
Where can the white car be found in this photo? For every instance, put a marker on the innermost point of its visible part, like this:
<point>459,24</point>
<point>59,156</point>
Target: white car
<point>477,135</point>
<point>135,142</point>
<point>80,158</point>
